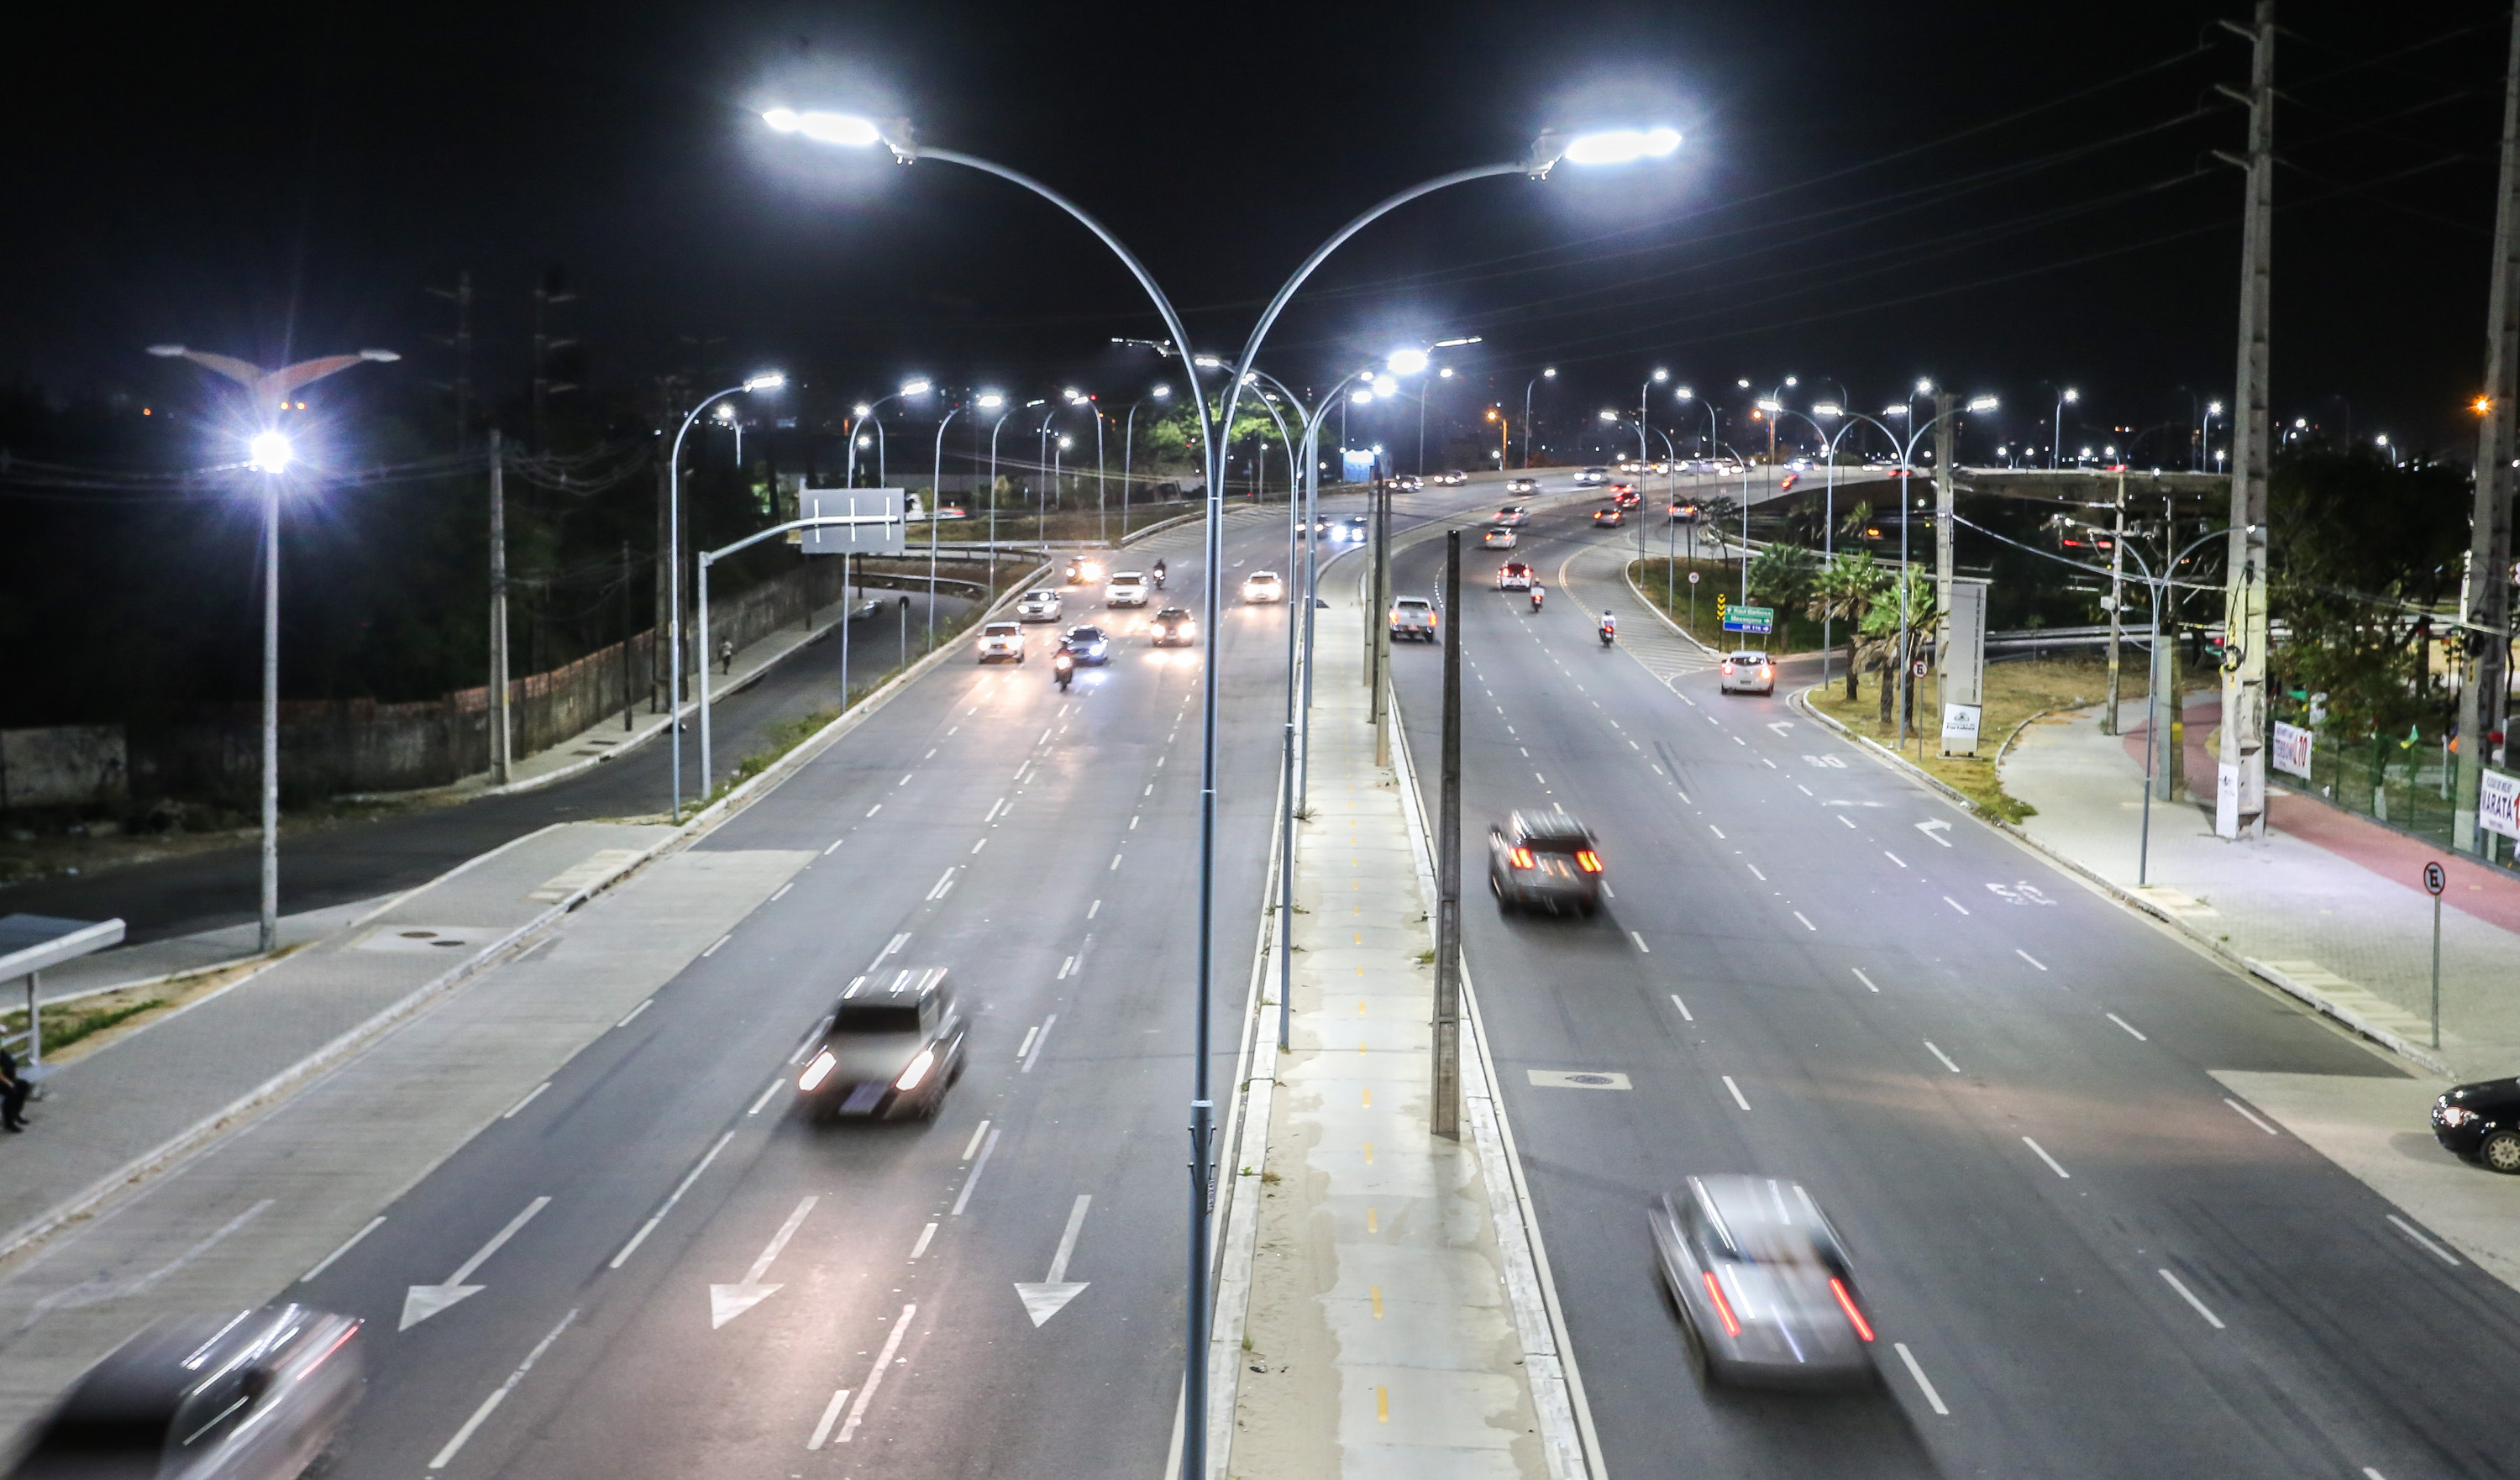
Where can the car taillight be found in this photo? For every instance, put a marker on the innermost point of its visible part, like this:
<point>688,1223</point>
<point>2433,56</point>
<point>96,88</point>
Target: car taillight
<point>1727,671</point>
<point>1589,861</point>
<point>1767,672</point>
<point>1846,1303</point>
<point>818,1071</point>
<point>1522,857</point>
<point>1723,1307</point>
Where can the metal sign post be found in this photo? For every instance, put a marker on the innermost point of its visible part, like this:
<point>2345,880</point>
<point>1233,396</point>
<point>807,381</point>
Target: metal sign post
<point>2434,883</point>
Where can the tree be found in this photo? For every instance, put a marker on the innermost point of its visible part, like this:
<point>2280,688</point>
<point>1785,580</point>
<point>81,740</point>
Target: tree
<point>1842,592</point>
<point>1883,626</point>
<point>1781,576</point>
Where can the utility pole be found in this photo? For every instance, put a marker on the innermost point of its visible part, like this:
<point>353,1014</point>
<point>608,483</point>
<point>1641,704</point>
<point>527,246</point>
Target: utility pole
<point>2240,771</point>
<point>548,294</point>
<point>2483,698</point>
<point>1446,1117</point>
<point>668,410</point>
<point>460,295</point>
<point>628,620</point>
<point>1943,511</point>
<point>502,755</point>
<point>2117,600</point>
<point>1380,633</point>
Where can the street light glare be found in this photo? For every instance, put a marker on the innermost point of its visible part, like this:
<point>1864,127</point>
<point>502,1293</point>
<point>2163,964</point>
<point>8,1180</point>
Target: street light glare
<point>768,379</point>
<point>268,452</point>
<point>2072,395</point>
<point>1162,393</point>
<point>1982,403</point>
<point>826,128</point>
<point>1407,362</point>
<point>1361,398</point>
<point>1922,387</point>
<point>1770,407</point>
<point>1621,145</point>
<point>1386,386</point>
<point>1828,409</point>
<point>916,388</point>
<point>1684,394</point>
<point>1549,374</point>
<point>1661,376</point>
<point>861,409</point>
<point>1609,416</point>
<point>1445,374</point>
<point>1895,409</point>
<point>989,400</point>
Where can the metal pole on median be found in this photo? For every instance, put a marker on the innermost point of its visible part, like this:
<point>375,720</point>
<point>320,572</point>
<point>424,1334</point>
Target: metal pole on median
<point>502,756</point>
<point>1286,784</point>
<point>269,933</point>
<point>1381,632</point>
<point>1446,1120</point>
<point>707,656</point>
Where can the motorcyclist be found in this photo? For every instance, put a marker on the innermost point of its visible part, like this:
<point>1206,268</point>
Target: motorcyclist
<point>1536,594</point>
<point>1610,628</point>
<point>1063,665</point>
<point>1160,573</point>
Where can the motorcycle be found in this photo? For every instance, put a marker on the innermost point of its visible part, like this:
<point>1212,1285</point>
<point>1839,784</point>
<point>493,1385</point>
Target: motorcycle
<point>1159,578</point>
<point>1609,629</point>
<point>1064,668</point>
<point>1535,598</point>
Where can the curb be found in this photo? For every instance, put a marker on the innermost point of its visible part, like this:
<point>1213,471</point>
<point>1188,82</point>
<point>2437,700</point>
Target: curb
<point>2246,966</point>
<point>1628,575</point>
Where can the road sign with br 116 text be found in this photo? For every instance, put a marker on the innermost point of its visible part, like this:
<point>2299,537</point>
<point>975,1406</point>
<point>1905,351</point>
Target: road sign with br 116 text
<point>1749,618</point>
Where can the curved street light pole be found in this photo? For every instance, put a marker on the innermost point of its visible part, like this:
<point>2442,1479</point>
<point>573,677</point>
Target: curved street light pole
<point>935,509</point>
<point>993,495</point>
<point>1548,374</point>
<point>674,581</point>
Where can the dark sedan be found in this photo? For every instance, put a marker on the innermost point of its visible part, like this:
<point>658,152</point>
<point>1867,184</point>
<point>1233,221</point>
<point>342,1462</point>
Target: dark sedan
<point>1609,519</point>
<point>2481,1122</point>
<point>1091,645</point>
<point>892,1051</point>
<point>1173,628</point>
<point>1547,861</point>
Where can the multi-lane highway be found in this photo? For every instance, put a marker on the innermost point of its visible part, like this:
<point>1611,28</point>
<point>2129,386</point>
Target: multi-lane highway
<point>2084,1254</point>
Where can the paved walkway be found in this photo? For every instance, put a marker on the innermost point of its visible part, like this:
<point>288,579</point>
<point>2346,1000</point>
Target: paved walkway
<point>2329,901</point>
<point>111,1112</point>
<point>1381,1341</point>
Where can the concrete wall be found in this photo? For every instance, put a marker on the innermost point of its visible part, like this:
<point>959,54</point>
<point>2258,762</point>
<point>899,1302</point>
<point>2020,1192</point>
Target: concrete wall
<point>64,766</point>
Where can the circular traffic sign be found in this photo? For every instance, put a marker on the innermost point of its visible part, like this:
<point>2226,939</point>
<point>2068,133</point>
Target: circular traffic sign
<point>1920,668</point>
<point>1693,578</point>
<point>2434,881</point>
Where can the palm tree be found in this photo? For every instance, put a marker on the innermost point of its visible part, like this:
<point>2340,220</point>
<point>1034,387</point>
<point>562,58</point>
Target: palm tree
<point>1882,630</point>
<point>1842,592</point>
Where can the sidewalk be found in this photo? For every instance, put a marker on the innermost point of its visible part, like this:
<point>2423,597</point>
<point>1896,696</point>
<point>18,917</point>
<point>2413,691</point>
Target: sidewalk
<point>142,1102</point>
<point>2329,906</point>
<point>1380,1340</point>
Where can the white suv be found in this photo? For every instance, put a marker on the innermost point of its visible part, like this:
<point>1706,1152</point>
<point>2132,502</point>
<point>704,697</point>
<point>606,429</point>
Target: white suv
<point>1128,588</point>
<point>1261,587</point>
<point>1591,476</point>
<point>1038,606</point>
<point>1748,671</point>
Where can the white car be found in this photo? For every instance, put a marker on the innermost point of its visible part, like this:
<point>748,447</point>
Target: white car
<point>1522,485</point>
<point>1512,517</point>
<point>1451,478</point>
<point>1038,606</point>
<point>1591,477</point>
<point>1748,671</point>
<point>1498,538</point>
<point>1261,587</point>
<point>1001,640</point>
<point>1128,588</point>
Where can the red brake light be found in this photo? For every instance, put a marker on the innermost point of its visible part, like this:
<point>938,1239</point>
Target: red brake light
<point>1522,857</point>
<point>1723,1306</point>
<point>1727,671</point>
<point>1846,1303</point>
<point>1589,861</point>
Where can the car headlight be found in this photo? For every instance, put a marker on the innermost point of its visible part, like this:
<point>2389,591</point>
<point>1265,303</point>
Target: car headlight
<point>2454,1116</point>
<point>818,1071</point>
<point>916,1071</point>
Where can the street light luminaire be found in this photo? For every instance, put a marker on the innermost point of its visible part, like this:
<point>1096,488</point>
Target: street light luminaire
<point>1982,403</point>
<point>1770,407</point>
<point>1828,409</point>
<point>1407,362</point>
<point>989,400</point>
<point>1620,146</point>
<point>768,379</point>
<point>268,452</point>
<point>919,387</point>
<point>1162,393</point>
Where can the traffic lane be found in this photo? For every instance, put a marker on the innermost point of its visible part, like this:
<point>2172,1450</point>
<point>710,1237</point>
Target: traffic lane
<point>345,862</point>
<point>2235,1122</point>
<point>1061,834</point>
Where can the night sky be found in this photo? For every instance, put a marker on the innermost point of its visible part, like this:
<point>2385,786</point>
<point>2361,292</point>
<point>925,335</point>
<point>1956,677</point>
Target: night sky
<point>1986,193</point>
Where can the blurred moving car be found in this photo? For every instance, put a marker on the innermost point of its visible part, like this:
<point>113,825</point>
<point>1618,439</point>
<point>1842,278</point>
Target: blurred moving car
<point>1761,1284</point>
<point>1451,478</point>
<point>1412,617</point>
<point>2481,1123</point>
<point>1683,513</point>
<point>1746,671</point>
<point>1038,606</point>
<point>1610,517</point>
<point>1001,640</point>
<point>1625,496</point>
<point>1091,645</point>
<point>1083,570</point>
<point>1514,515</point>
<point>253,1395</point>
<point>1263,587</point>
<point>1513,575</point>
<point>1591,476</point>
<point>1172,627</point>
<point>1356,526</point>
<point>1408,482</point>
<point>1544,860</point>
<point>1127,588</point>
<point>891,1050</point>
<point>1522,485</point>
<point>1498,538</point>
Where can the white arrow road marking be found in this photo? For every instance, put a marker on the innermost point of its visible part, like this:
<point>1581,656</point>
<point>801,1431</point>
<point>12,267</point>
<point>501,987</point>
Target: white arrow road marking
<point>427,1300</point>
<point>1780,726</point>
<point>1048,1298</point>
<point>1934,830</point>
<point>728,1301</point>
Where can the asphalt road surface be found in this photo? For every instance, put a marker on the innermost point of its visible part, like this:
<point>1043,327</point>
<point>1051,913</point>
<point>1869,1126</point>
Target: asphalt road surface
<point>1993,1079</point>
<point>355,861</point>
<point>685,1276</point>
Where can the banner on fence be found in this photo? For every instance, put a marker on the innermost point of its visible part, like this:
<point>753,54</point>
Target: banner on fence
<point>2497,800</point>
<point>2290,752</point>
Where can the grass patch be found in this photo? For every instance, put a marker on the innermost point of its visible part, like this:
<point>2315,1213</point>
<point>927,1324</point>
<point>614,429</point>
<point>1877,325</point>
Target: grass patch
<point>2015,691</point>
<point>1662,580</point>
<point>66,1025</point>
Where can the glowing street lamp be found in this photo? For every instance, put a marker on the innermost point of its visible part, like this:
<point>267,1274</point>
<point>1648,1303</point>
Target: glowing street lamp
<point>2068,399</point>
<point>768,381</point>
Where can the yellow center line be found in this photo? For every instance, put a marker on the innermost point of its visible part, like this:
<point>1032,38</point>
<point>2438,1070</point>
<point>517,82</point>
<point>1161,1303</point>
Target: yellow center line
<point>1377,1301</point>
<point>1372,1222</point>
<point>1383,1404</point>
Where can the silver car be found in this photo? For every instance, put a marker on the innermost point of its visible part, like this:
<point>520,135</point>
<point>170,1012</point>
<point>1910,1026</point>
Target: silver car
<point>1038,606</point>
<point>1760,1282</point>
<point>253,1395</point>
<point>892,1051</point>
